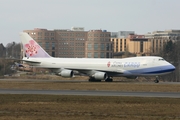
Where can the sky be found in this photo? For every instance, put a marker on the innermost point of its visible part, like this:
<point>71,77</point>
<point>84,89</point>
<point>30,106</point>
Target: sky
<point>141,16</point>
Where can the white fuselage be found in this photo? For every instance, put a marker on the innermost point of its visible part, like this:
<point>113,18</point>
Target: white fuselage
<point>134,66</point>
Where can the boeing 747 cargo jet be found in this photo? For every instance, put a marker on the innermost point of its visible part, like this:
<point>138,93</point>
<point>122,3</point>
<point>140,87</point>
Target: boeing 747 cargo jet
<point>96,68</point>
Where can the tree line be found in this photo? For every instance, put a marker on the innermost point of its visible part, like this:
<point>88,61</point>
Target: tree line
<point>170,52</point>
<point>10,51</point>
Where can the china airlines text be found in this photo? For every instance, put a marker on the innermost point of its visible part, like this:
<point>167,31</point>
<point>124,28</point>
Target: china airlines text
<point>126,64</point>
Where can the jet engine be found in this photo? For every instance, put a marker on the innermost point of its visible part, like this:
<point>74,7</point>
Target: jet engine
<point>66,73</point>
<point>100,76</point>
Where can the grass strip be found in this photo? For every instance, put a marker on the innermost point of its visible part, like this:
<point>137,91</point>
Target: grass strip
<point>46,107</point>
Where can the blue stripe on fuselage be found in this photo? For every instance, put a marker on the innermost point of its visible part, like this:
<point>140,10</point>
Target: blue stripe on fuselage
<point>154,70</point>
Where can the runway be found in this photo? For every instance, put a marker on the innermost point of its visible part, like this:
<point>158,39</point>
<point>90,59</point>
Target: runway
<point>92,93</point>
<point>79,81</point>
<point>73,91</point>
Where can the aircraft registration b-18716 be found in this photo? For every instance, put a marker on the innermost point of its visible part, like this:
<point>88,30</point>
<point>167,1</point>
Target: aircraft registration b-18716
<point>96,68</point>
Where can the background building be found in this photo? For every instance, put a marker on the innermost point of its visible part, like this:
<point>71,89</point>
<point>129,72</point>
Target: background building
<point>78,43</point>
<point>61,42</point>
<point>74,43</point>
<point>71,43</point>
<point>135,44</point>
<point>149,44</point>
<point>98,44</point>
<point>121,34</point>
<point>119,43</point>
<point>159,38</point>
<point>138,45</point>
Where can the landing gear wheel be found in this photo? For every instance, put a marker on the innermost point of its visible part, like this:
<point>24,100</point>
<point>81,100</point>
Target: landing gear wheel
<point>109,80</point>
<point>156,80</point>
<point>93,80</point>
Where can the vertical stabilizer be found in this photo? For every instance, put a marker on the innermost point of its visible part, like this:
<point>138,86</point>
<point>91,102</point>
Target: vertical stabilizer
<point>32,48</point>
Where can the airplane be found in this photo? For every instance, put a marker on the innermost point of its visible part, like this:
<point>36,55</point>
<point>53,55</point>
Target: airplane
<point>96,68</point>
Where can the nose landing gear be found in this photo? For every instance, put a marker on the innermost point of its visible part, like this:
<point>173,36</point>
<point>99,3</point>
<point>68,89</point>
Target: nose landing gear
<point>156,80</point>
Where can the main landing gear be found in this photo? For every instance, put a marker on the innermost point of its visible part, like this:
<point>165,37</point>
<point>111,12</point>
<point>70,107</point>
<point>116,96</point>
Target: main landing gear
<point>109,79</point>
<point>91,79</point>
<point>156,80</point>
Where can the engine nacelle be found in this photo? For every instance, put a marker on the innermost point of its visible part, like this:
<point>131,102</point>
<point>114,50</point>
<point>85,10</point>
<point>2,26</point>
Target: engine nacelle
<point>66,73</point>
<point>100,75</point>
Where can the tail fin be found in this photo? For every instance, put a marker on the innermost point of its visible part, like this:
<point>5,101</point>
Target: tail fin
<point>32,48</point>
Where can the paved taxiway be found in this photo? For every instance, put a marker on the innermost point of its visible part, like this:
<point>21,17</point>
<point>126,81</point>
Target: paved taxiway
<point>92,93</point>
<point>88,92</point>
<point>80,81</point>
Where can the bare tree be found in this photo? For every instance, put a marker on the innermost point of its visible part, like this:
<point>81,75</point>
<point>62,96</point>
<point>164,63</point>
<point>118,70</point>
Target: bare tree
<point>171,53</point>
<point>13,50</point>
<point>2,50</point>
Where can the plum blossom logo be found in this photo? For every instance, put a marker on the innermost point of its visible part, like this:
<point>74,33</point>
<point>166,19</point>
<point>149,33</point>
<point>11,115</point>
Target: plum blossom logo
<point>108,64</point>
<point>31,48</point>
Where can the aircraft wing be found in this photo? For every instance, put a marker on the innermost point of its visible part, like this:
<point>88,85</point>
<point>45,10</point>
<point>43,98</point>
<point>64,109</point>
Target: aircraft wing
<point>90,71</point>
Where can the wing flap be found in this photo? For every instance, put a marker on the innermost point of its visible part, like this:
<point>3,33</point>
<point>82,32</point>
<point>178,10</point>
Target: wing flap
<point>90,70</point>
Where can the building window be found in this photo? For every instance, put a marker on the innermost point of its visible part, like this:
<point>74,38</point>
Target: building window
<point>89,46</point>
<point>95,46</point>
<point>107,55</point>
<point>53,46</point>
<point>102,55</point>
<point>47,45</point>
<point>111,46</point>
<point>40,44</point>
<point>40,33</point>
<point>46,34</point>
<point>141,46</point>
<point>53,54</point>
<point>95,55</point>
<point>89,55</point>
<point>102,46</point>
<point>52,34</point>
<point>107,46</point>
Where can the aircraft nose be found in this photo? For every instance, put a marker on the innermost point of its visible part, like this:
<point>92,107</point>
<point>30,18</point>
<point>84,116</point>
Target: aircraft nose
<point>172,67</point>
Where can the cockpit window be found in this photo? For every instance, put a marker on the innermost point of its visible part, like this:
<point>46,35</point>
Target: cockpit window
<point>161,60</point>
